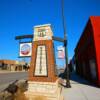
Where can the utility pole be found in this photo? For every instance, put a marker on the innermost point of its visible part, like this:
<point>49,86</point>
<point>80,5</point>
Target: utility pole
<point>66,72</point>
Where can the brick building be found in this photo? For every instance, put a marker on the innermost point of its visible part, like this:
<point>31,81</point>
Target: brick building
<point>11,65</point>
<point>87,51</point>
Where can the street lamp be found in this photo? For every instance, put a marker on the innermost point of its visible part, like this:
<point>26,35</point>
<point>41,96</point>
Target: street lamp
<point>66,72</point>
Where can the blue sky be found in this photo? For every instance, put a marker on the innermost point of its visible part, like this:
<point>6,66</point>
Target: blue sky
<point>17,17</point>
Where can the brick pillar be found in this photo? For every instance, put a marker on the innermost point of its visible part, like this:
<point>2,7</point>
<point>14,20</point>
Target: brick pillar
<point>51,75</point>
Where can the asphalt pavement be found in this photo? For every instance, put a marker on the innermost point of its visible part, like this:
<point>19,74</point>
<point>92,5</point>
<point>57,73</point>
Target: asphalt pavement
<point>8,77</point>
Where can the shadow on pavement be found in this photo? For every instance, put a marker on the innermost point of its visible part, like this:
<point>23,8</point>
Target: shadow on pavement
<point>75,79</point>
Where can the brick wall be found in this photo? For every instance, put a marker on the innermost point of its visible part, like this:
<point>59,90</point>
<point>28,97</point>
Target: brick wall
<point>51,77</point>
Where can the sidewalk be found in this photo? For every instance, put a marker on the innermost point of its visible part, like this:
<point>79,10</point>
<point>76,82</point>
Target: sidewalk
<point>81,90</point>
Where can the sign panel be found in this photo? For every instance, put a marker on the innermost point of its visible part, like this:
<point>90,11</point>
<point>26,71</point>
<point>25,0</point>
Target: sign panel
<point>61,52</point>
<point>42,33</point>
<point>25,49</point>
<point>41,61</point>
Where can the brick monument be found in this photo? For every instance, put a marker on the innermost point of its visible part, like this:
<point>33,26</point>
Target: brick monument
<point>42,62</point>
<point>42,73</point>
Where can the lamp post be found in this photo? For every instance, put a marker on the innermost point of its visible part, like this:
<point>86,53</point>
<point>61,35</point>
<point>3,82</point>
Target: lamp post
<point>66,72</point>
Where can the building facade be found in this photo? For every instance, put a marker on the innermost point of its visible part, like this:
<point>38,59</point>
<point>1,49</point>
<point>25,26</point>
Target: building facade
<point>87,51</point>
<point>12,65</point>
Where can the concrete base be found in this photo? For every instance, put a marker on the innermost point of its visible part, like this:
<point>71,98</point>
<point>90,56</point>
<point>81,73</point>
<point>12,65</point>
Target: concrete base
<point>44,91</point>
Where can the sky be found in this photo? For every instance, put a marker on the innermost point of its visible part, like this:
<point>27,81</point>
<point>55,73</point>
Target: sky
<point>18,17</point>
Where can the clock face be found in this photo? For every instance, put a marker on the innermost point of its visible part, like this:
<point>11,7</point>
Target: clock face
<point>41,61</point>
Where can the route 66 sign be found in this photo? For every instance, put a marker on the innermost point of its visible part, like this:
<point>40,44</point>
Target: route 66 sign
<point>25,49</point>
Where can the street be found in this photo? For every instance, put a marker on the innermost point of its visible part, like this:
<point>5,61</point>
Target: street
<point>80,90</point>
<point>6,78</point>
